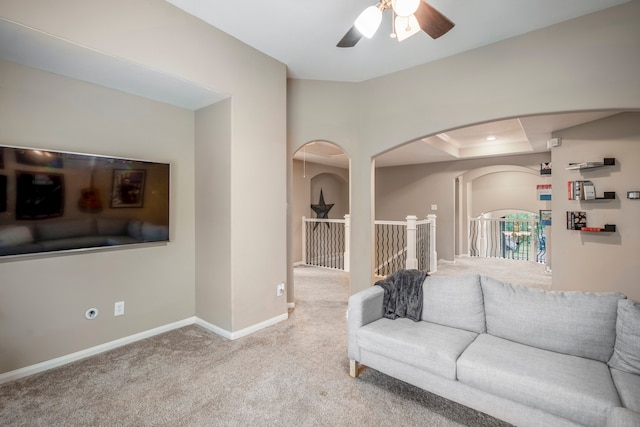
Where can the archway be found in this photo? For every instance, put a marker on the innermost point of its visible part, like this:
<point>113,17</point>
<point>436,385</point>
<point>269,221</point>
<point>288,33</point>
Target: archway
<point>500,188</point>
<point>317,167</point>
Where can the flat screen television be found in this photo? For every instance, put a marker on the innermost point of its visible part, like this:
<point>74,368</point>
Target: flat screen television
<point>52,201</point>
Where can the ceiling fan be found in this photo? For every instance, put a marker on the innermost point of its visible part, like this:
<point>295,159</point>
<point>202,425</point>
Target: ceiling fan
<point>410,16</point>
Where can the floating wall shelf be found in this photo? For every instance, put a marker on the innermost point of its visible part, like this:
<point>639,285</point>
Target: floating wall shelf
<point>607,161</point>
<point>608,228</point>
<point>608,195</point>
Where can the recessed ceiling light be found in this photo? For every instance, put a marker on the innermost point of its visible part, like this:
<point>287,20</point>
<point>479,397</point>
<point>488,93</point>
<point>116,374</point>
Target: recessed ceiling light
<point>491,138</point>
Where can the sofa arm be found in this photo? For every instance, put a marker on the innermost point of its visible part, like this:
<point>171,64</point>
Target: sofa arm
<point>623,417</point>
<point>364,307</point>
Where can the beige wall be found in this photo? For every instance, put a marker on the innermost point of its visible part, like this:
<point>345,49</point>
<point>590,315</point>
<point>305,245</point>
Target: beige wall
<point>588,63</point>
<point>160,37</point>
<point>505,191</point>
<point>599,261</point>
<point>43,300</point>
<point>411,190</point>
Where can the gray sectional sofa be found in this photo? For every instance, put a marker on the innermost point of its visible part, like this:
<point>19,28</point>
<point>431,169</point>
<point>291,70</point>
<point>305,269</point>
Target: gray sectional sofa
<point>526,356</point>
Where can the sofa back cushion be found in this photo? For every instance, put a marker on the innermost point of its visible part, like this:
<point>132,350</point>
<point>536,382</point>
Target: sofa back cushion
<point>577,323</point>
<point>454,301</point>
<point>626,352</point>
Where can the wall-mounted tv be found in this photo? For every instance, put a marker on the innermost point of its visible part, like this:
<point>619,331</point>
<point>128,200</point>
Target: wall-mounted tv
<point>53,201</point>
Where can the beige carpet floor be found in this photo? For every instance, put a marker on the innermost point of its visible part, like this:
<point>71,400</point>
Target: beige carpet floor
<point>294,373</point>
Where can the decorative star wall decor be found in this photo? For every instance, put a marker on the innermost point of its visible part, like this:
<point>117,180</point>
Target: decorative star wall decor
<point>322,210</point>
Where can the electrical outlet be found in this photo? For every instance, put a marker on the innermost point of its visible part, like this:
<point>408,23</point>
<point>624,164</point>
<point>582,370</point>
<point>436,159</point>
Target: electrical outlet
<point>280,289</point>
<point>118,308</point>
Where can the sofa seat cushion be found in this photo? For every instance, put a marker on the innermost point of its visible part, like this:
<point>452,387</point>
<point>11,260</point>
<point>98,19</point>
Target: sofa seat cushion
<point>434,348</point>
<point>628,386</point>
<point>575,388</point>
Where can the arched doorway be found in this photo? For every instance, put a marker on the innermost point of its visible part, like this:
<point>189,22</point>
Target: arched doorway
<point>320,177</point>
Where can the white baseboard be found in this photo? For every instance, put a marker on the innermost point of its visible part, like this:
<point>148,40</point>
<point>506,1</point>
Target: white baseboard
<point>243,332</point>
<point>213,328</point>
<point>92,351</point>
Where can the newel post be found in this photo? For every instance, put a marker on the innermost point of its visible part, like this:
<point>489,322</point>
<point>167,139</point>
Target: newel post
<point>412,260</point>
<point>304,240</point>
<point>433,254</point>
<point>347,241</point>
<point>483,244</point>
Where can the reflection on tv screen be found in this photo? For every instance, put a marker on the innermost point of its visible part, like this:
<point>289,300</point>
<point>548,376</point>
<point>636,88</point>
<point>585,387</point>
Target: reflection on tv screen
<point>55,201</point>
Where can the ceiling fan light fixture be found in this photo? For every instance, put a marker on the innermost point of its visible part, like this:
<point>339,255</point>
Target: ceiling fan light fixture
<point>368,21</point>
<point>406,26</point>
<point>405,7</point>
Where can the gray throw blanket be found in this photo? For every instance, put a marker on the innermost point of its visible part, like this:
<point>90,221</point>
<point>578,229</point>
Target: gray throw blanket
<point>403,294</point>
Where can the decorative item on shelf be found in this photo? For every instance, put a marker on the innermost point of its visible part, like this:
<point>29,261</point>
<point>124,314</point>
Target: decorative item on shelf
<point>545,218</point>
<point>586,190</point>
<point>608,228</point>
<point>633,195</point>
<point>545,168</point>
<point>544,191</point>
<point>576,220</point>
<point>607,161</point>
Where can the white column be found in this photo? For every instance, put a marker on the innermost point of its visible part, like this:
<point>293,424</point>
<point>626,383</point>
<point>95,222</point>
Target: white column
<point>412,260</point>
<point>304,240</point>
<point>347,241</point>
<point>433,254</point>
